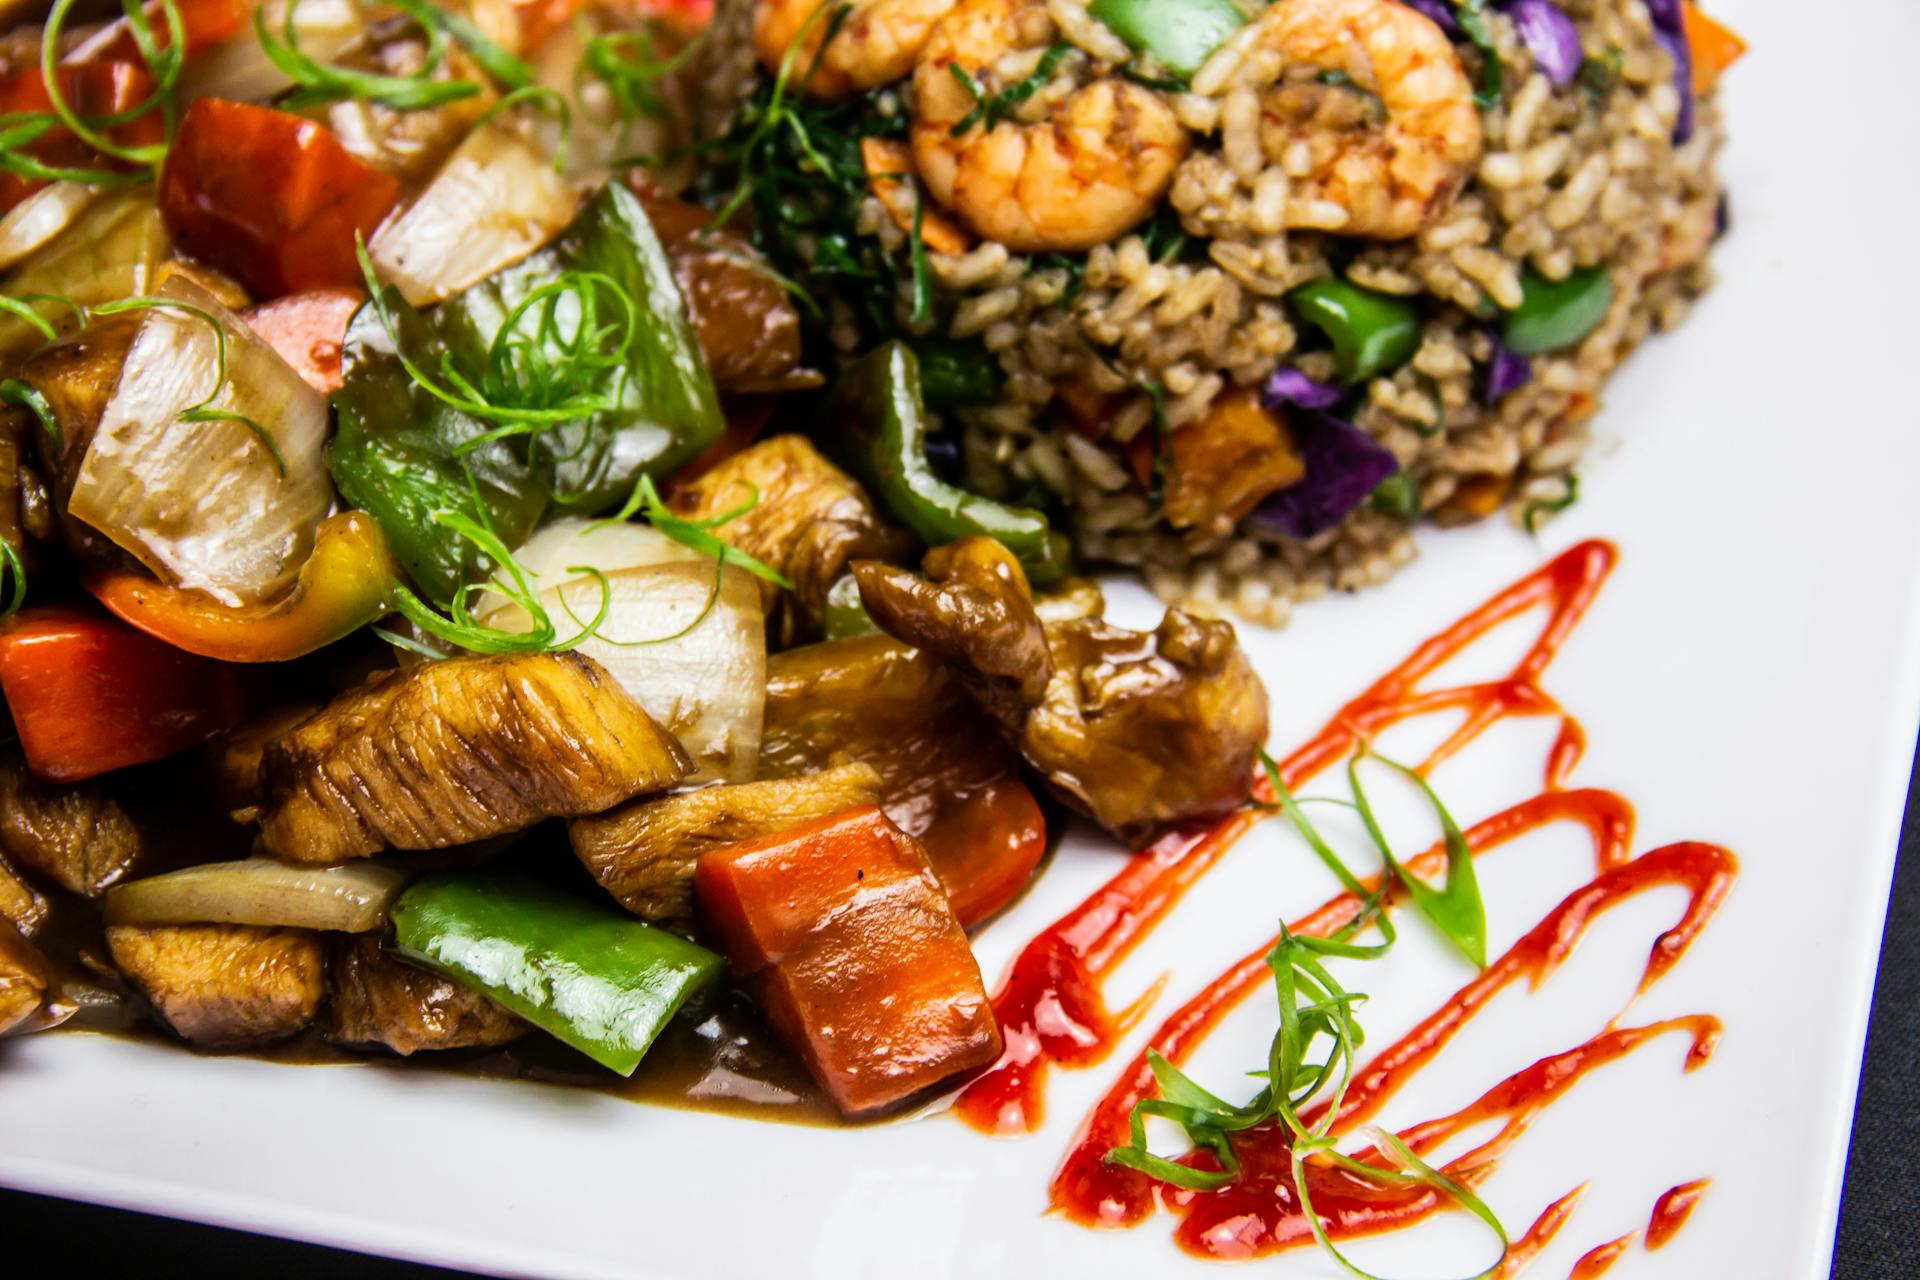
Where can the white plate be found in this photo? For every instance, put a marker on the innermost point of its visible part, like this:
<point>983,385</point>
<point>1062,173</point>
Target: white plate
<point>1750,676</point>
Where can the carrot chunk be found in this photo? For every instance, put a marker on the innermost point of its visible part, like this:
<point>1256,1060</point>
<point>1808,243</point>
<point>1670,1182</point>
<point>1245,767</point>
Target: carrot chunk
<point>88,693</point>
<point>1714,47</point>
<point>270,198</point>
<point>841,932</point>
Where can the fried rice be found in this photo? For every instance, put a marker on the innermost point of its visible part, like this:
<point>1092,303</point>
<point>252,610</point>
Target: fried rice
<point>1586,174</point>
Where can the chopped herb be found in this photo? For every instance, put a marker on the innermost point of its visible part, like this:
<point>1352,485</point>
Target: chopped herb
<point>991,108</point>
<point>24,394</point>
<point>626,63</point>
<point>16,574</point>
<point>1597,76</point>
<point>1397,495</point>
<point>538,378</point>
<point>1075,266</point>
<point>316,82</point>
<point>1531,513</point>
<point>1165,239</point>
<point>1338,79</point>
<point>922,273</point>
<point>1161,84</point>
<point>695,535</point>
<point>1472,16</point>
<point>1314,1008</point>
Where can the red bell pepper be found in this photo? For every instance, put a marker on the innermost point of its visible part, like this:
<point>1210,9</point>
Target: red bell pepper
<point>308,331</point>
<point>346,583</point>
<point>89,694</point>
<point>270,198</point>
<point>841,932</point>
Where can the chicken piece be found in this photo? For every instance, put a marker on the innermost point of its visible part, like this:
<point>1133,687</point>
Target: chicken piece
<point>76,835</point>
<point>740,311</point>
<point>644,853</point>
<point>379,999</point>
<point>946,777</point>
<point>1134,729</point>
<point>808,520</point>
<point>452,752</point>
<point>973,611</point>
<point>224,986</point>
<point>21,904</point>
<point>1070,598</point>
<point>233,760</point>
<point>28,999</point>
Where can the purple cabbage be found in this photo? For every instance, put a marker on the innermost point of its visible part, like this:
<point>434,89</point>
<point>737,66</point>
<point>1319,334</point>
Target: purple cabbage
<point>1507,372</point>
<point>1290,386</point>
<point>1550,37</point>
<point>1344,466</point>
<point>1439,12</point>
<point>1669,27</point>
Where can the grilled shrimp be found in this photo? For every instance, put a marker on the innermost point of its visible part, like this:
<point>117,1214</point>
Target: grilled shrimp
<point>1092,170</point>
<point>876,42</point>
<point>1354,173</point>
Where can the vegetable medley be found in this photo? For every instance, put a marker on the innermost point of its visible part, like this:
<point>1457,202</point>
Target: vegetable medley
<point>449,599</point>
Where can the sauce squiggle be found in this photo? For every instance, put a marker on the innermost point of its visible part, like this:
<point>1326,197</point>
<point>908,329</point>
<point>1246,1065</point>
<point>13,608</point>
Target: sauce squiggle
<point>1053,1012</point>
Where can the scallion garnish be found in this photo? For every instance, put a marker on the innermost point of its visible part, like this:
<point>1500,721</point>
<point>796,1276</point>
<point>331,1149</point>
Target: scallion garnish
<point>318,82</point>
<point>16,574</point>
<point>524,387</point>
<point>163,66</point>
<point>1315,1008</point>
<point>695,535</point>
<point>1472,17</point>
<point>1531,513</point>
<point>991,108</point>
<point>625,62</point>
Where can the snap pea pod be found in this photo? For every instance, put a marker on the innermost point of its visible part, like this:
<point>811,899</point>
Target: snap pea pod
<point>1180,34</point>
<point>877,422</point>
<point>1372,333</point>
<point>588,975</point>
<point>1557,313</point>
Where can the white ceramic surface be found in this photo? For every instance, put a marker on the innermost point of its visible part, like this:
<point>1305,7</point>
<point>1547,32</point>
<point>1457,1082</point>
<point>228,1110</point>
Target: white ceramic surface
<point>1750,676</point>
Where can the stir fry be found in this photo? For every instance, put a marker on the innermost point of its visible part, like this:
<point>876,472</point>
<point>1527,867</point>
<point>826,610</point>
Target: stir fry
<point>454,598</point>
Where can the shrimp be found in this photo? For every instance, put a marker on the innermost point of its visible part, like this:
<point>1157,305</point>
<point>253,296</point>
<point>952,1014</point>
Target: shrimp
<point>1353,173</point>
<point>1085,175</point>
<point>875,43</point>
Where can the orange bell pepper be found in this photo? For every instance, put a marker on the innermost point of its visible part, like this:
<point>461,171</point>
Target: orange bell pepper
<point>346,583</point>
<point>840,930</point>
<point>270,198</point>
<point>308,330</point>
<point>89,694</point>
<point>1714,47</point>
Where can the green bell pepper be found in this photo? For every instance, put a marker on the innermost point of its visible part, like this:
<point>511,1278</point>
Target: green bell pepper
<point>956,374</point>
<point>1556,314</point>
<point>846,614</point>
<point>403,454</point>
<point>1372,333</point>
<point>587,974</point>
<point>1397,495</point>
<point>878,423</point>
<point>1180,34</point>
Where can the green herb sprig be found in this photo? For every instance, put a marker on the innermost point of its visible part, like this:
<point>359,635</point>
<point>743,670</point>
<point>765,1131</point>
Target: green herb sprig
<point>1313,1053</point>
<point>991,108</point>
<point>1531,513</point>
<point>1472,17</point>
<point>522,388</point>
<point>628,65</point>
<point>22,130</point>
<point>16,574</point>
<point>317,82</point>
<point>695,535</point>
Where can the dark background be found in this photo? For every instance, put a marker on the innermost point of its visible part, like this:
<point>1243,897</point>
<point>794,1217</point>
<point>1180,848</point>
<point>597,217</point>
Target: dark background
<point>1879,1235</point>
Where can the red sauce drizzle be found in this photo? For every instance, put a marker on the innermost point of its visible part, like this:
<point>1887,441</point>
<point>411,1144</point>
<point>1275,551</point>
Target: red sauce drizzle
<point>1053,1012</point>
<point>1672,1209</point>
<point>1599,1260</point>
